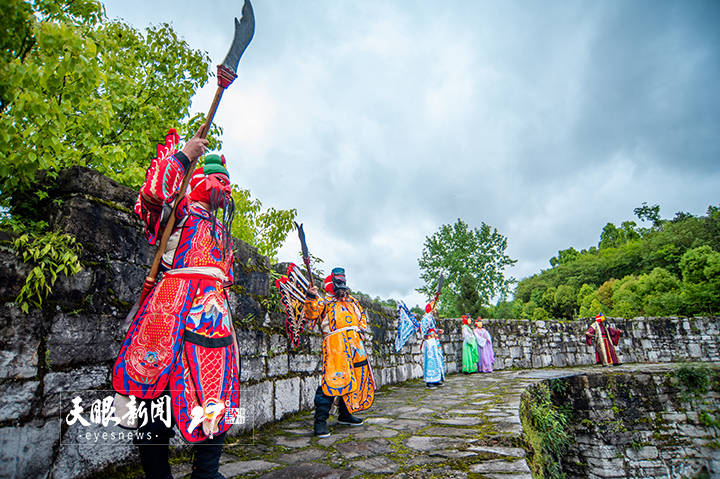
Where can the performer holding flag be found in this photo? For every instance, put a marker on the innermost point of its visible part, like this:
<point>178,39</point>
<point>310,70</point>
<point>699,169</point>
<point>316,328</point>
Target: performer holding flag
<point>347,376</point>
<point>434,360</point>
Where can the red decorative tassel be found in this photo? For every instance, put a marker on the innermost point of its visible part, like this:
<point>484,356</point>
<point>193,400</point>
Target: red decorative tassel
<point>147,287</point>
<point>225,76</point>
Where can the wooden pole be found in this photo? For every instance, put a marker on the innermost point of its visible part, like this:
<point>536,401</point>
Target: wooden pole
<point>170,225</point>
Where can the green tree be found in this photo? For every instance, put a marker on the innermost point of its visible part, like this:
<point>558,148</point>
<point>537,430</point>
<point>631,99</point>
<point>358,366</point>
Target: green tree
<point>695,262</point>
<point>660,292</point>
<point>605,293</point>
<point>506,310</point>
<point>609,236</point>
<point>564,302</point>
<point>78,89</point>
<point>701,280</point>
<point>457,251</point>
<point>469,300</point>
<point>626,298</point>
<point>648,213</point>
<point>630,250</point>
<point>539,314</point>
<point>547,299</point>
<point>528,310</point>
<point>264,229</point>
<point>15,41</point>
<point>564,256</point>
<point>584,299</point>
<point>612,236</point>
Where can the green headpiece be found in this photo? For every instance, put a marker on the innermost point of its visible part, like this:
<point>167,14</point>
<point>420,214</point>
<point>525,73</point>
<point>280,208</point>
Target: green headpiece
<point>215,163</point>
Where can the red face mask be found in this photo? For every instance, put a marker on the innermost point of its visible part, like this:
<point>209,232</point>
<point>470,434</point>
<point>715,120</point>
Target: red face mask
<point>214,185</point>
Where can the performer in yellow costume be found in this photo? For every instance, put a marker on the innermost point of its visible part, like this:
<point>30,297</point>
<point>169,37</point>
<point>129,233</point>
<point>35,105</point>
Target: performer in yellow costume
<point>346,371</point>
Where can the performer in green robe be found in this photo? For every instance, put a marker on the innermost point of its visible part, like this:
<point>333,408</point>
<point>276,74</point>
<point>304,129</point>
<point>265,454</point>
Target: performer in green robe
<point>470,350</point>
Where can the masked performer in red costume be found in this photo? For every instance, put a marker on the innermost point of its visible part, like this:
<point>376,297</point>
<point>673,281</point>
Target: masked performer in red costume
<point>605,339</point>
<point>346,371</point>
<point>181,342</point>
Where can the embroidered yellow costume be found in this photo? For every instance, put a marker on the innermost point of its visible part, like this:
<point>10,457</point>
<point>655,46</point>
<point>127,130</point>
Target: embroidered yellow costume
<point>346,371</point>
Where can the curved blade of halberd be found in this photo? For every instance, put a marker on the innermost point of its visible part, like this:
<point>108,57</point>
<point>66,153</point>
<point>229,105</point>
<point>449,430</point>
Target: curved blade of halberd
<point>244,31</point>
<point>441,280</point>
<point>303,245</point>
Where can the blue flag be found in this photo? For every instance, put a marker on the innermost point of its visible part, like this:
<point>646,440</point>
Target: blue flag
<point>407,326</point>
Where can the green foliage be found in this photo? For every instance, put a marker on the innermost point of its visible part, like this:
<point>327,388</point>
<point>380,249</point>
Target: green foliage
<point>660,292</point>
<point>15,40</point>
<point>709,419</point>
<point>700,269</point>
<point>545,429</point>
<point>78,89</point>
<point>49,254</point>
<point>613,237</point>
<point>648,213</point>
<point>564,302</point>
<point>625,298</point>
<point>457,252</point>
<point>390,303</point>
<point>695,379</point>
<point>586,299</point>
<point>539,314</point>
<point>564,256</point>
<point>528,310</point>
<point>315,263</point>
<point>272,303</point>
<point>505,310</point>
<point>264,229</point>
<point>672,268</point>
<point>469,301</point>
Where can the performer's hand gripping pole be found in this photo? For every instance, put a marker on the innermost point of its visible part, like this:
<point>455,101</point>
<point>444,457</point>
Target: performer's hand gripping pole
<point>226,73</point>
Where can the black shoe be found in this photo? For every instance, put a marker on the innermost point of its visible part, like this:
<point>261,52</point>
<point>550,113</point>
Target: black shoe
<point>431,385</point>
<point>321,429</point>
<point>350,420</point>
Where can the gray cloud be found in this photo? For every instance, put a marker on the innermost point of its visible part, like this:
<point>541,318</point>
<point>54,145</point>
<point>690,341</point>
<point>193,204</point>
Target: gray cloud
<point>381,121</point>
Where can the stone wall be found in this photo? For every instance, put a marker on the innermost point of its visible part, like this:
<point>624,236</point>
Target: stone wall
<point>67,348</point>
<point>649,425</point>
<point>533,344</point>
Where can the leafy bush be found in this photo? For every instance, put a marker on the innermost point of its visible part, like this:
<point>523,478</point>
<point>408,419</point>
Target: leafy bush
<point>544,427</point>
<point>50,254</point>
<point>695,379</point>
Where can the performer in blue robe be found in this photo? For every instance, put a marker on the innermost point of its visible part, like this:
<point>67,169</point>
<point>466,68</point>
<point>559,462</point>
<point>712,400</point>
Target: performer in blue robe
<point>434,362</point>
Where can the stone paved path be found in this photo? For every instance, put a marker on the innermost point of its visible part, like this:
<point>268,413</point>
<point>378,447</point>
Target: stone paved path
<point>469,428</point>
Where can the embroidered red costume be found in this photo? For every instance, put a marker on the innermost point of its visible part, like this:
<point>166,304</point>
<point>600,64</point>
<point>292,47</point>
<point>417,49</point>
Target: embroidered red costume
<point>182,340</point>
<point>605,339</point>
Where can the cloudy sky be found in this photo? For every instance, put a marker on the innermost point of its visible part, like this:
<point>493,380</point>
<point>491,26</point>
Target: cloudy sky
<point>380,121</point>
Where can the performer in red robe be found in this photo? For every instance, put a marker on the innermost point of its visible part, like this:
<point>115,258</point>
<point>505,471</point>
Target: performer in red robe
<point>605,339</point>
<point>181,342</point>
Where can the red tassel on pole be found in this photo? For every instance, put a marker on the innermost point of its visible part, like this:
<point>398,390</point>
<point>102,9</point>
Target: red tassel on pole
<point>225,76</point>
<point>148,285</point>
